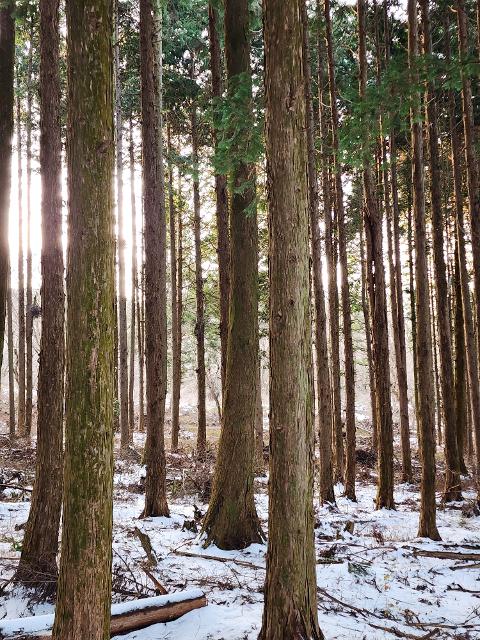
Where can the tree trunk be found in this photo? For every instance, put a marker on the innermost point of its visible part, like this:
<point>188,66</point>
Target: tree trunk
<point>290,589</point>
<point>29,300</point>
<point>331,259</point>
<point>461,395</point>
<point>177,362</point>
<point>200,298</point>
<point>7,55</point>
<point>423,356</point>
<point>141,335</point>
<point>173,287</point>
<point>84,588</point>
<point>38,562</point>
<point>11,372</point>
<point>345,288</point>
<point>155,256</point>
<point>372,220</point>
<point>121,247</point>
<point>471,163</point>
<point>21,274</point>
<point>452,490</point>
<point>231,521</point>
<point>134,280</point>
<point>221,197</point>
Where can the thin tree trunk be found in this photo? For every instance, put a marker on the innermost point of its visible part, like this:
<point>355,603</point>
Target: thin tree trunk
<point>345,288</point>
<point>200,299</point>
<point>423,357</point>
<point>461,395</point>
<point>452,490</point>
<point>290,609</point>
<point>21,277</point>
<point>221,198</point>
<point>38,562</point>
<point>231,521</point>
<point>436,377</point>
<point>7,55</point>
<point>372,219</point>
<point>85,581</point>
<point>134,281</point>
<point>29,317</point>
<point>121,247</point>
<point>141,330</point>
<point>177,380</point>
<point>11,372</point>
<point>155,256</point>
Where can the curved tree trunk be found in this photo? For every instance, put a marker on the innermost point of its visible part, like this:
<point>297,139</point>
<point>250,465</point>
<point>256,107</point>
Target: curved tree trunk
<point>231,521</point>
<point>38,562</point>
<point>85,581</point>
<point>290,610</point>
<point>155,257</point>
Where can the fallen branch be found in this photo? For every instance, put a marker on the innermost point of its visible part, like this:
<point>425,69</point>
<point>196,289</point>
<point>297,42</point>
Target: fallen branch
<point>126,617</point>
<point>241,563</point>
<point>445,555</point>
<point>18,487</point>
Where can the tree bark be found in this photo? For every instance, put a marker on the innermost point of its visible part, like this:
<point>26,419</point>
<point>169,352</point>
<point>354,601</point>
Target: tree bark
<point>177,372</point>
<point>290,609</point>
<point>84,588</point>
<point>221,196</point>
<point>372,219</point>
<point>155,256</point>
<point>134,281</point>
<point>11,372</point>
<point>121,247</point>
<point>7,55</point>
<point>21,272</point>
<point>38,562</point>
<point>231,521</point>
<point>344,285</point>
<point>423,356</point>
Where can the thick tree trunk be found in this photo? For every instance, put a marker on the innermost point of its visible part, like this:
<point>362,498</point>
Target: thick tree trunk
<point>155,257</point>
<point>423,356</point>
<point>121,248</point>
<point>84,588</point>
<point>21,273</point>
<point>345,287</point>
<point>471,162</point>
<point>221,197</point>
<point>7,54</point>
<point>231,521</point>
<point>134,281</point>
<point>290,589</point>
<point>372,219</point>
<point>38,565</point>
<point>452,490</point>
<point>29,299</point>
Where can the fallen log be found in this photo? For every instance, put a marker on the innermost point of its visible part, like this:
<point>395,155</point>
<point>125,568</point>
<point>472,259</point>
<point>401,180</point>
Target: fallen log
<point>445,555</point>
<point>126,617</point>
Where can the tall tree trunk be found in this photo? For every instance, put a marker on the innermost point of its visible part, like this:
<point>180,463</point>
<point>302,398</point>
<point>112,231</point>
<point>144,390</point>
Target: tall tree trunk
<point>155,256</point>
<point>345,288</point>
<point>173,280</point>
<point>11,372</point>
<point>134,281</point>
<point>121,247</point>
<point>290,588</point>
<point>21,274</point>
<point>372,219</point>
<point>324,392</point>
<point>177,377</point>
<point>452,490</point>
<point>231,521</point>
<point>38,565</point>
<point>461,395</point>
<point>200,298</point>
<point>141,330</point>
<point>423,356</point>
<point>29,300</point>
<point>331,260</point>
<point>7,55</point>
<point>221,197</point>
<point>471,162</point>
<point>436,377</point>
<point>85,581</point>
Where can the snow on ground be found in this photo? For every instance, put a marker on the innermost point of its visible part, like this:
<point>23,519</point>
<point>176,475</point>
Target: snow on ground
<point>371,583</point>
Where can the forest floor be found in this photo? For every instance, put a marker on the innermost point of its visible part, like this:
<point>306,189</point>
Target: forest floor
<point>373,581</point>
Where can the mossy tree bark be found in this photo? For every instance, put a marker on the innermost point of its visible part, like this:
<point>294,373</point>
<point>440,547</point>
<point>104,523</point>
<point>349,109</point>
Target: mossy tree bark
<point>7,55</point>
<point>84,588</point>
<point>423,355</point>
<point>372,221</point>
<point>452,489</point>
<point>231,521</point>
<point>290,610</point>
<point>155,256</point>
<point>38,566</point>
